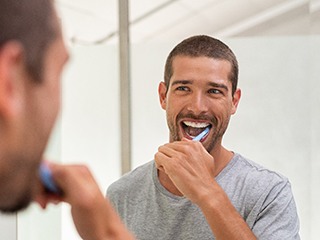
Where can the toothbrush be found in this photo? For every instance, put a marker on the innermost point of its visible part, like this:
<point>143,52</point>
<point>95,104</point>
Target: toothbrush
<point>201,135</point>
<point>47,180</point>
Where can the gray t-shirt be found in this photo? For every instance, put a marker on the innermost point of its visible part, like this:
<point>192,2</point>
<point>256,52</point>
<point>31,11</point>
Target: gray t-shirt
<point>262,197</point>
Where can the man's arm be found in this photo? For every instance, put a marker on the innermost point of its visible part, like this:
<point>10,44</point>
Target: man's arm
<point>223,218</point>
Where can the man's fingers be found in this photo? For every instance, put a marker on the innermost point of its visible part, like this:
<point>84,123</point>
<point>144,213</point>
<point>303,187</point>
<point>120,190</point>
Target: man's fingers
<point>158,159</point>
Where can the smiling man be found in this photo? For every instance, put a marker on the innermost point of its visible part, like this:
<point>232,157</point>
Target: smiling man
<point>199,189</point>
<point>32,57</point>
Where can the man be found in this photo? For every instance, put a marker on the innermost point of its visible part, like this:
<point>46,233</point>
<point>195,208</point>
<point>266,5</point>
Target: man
<point>32,56</point>
<point>199,189</point>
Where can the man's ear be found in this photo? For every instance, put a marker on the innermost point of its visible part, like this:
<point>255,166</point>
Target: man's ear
<point>162,91</point>
<point>236,100</point>
<point>11,70</point>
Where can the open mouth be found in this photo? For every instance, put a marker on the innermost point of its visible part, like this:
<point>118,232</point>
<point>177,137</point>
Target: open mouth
<point>193,129</point>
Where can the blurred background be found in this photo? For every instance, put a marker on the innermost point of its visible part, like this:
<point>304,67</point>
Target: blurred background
<point>111,119</point>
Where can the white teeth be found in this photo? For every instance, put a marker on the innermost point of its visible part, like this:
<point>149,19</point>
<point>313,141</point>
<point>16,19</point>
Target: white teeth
<point>196,124</point>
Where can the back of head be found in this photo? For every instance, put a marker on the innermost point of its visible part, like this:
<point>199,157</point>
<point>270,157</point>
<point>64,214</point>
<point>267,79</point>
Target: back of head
<point>203,46</point>
<point>33,25</point>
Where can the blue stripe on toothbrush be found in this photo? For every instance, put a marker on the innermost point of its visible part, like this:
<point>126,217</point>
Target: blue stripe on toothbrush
<point>201,135</point>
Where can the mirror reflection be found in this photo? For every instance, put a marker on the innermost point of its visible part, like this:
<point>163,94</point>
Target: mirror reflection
<point>276,43</point>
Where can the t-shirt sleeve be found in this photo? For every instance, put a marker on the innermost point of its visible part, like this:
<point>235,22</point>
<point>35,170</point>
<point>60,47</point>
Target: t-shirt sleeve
<point>278,218</point>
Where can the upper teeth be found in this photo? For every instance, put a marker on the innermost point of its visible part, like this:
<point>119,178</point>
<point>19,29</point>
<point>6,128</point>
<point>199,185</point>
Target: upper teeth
<point>196,124</point>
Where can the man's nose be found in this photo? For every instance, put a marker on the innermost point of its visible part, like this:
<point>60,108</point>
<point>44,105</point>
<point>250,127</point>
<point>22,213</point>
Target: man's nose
<point>198,103</point>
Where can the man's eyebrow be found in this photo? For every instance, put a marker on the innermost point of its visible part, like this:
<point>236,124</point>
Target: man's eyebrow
<point>184,82</point>
<point>218,85</point>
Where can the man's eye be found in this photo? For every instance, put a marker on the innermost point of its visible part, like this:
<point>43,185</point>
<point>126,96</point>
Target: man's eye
<point>182,88</point>
<point>214,91</point>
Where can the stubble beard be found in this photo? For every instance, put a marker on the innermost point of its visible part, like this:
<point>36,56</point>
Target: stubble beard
<point>21,204</point>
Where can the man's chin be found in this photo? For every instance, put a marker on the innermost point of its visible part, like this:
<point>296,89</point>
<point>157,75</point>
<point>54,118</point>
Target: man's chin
<point>19,205</point>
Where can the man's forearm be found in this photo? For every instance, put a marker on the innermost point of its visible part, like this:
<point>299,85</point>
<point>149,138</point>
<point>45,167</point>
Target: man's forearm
<point>222,217</point>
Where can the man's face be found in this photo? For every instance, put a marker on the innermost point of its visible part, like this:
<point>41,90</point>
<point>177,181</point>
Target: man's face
<point>199,95</point>
<point>41,103</point>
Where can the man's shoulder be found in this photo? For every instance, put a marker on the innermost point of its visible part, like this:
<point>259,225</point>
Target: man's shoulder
<point>244,179</point>
<point>243,171</point>
<point>256,170</point>
<point>132,179</point>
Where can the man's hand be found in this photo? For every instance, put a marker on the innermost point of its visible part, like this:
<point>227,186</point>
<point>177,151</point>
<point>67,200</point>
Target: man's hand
<point>92,214</point>
<point>189,166</point>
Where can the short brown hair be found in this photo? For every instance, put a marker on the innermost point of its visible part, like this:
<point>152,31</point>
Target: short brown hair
<point>203,46</point>
<point>32,24</point>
